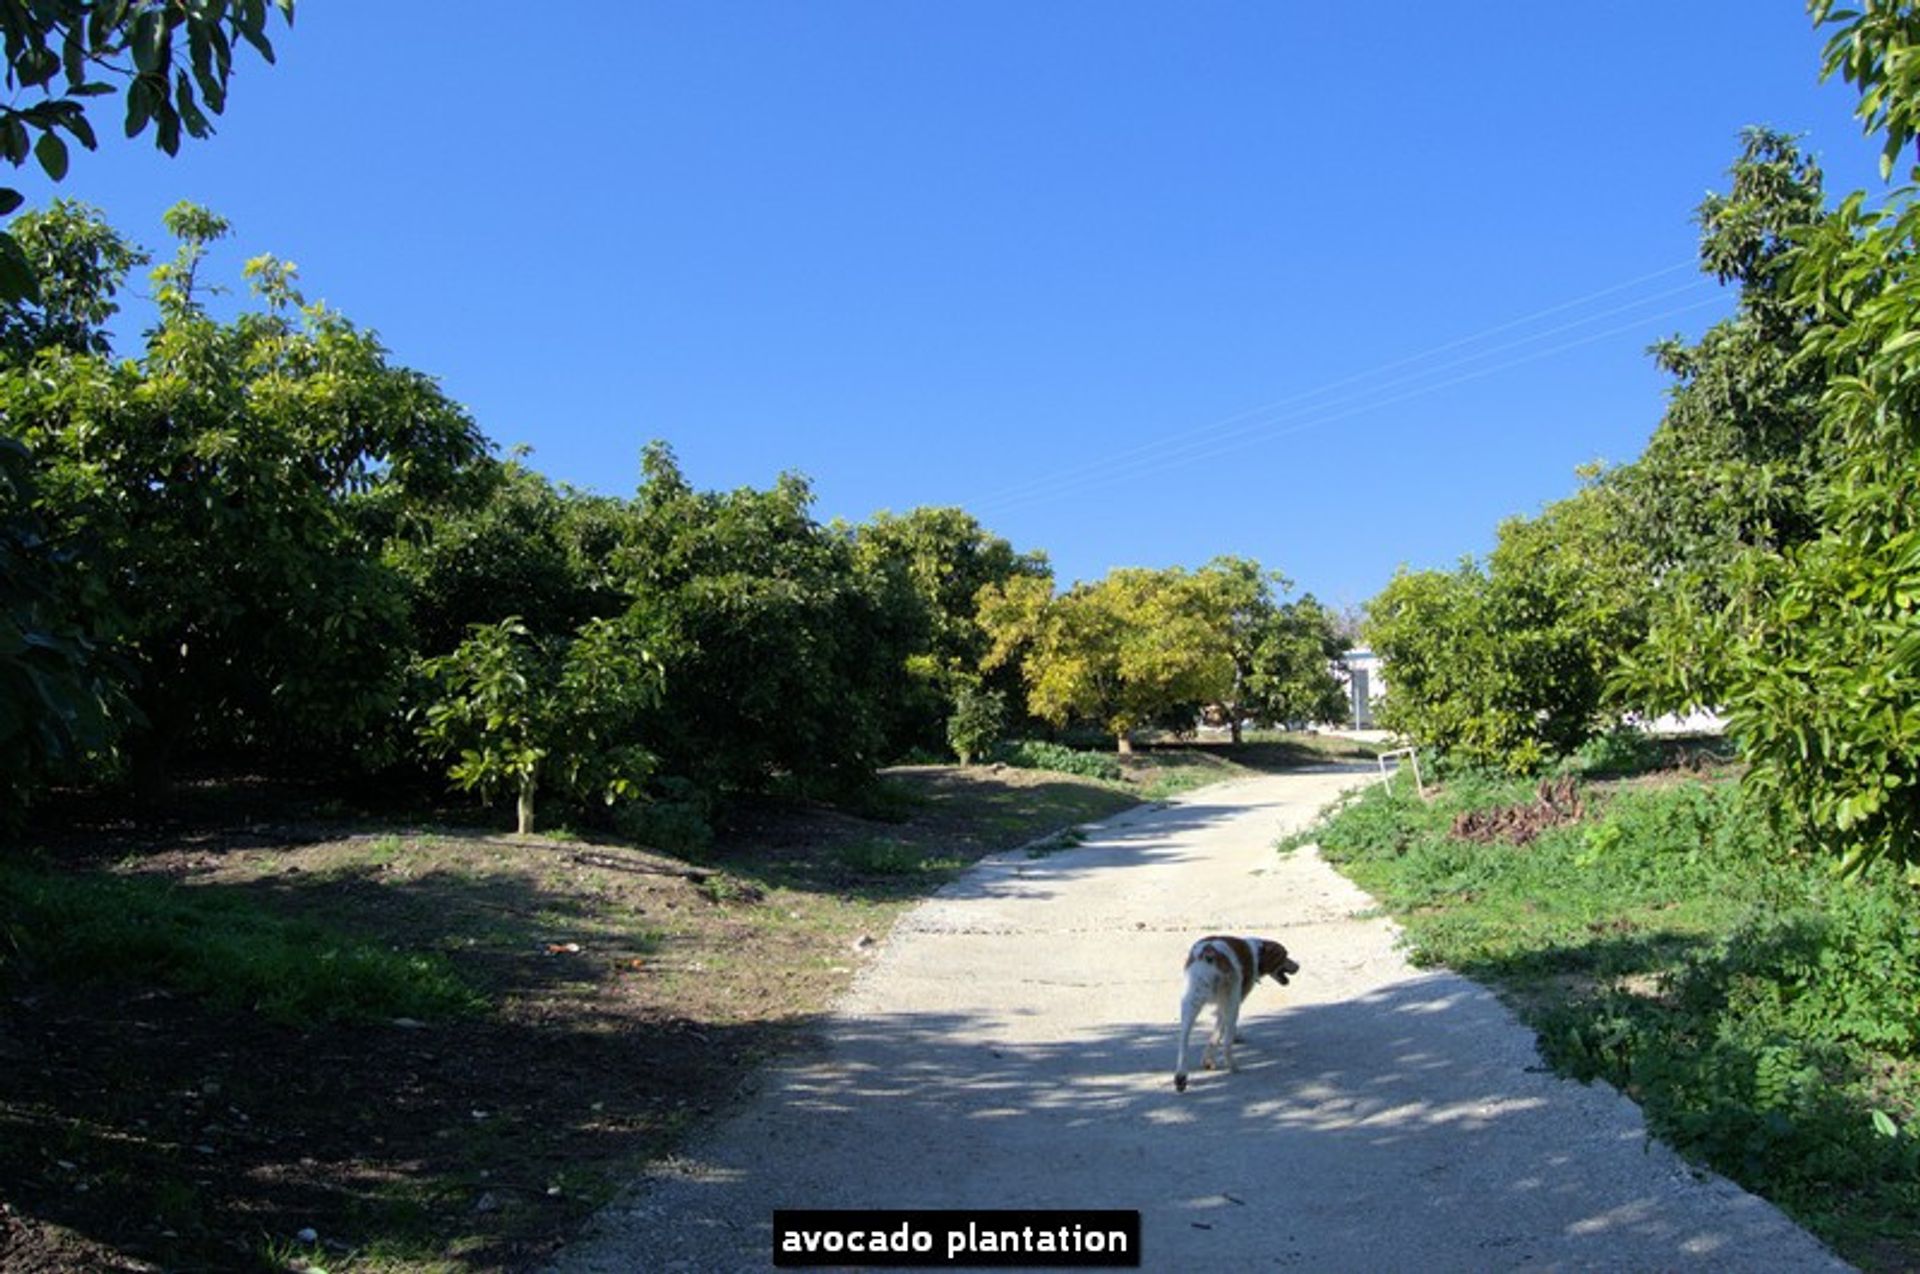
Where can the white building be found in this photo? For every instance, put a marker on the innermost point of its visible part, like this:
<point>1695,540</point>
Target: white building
<point>1363,675</point>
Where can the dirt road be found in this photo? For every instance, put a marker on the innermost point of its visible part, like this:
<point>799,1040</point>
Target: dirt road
<point>1012,1046</point>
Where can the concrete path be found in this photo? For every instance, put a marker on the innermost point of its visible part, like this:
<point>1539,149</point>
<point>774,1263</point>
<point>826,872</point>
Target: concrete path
<point>1012,1046</point>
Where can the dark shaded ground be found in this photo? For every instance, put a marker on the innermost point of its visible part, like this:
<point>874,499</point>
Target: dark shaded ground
<point>632,994</point>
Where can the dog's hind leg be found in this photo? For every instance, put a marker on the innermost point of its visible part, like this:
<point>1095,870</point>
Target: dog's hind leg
<point>1229,1010</point>
<point>1189,1010</point>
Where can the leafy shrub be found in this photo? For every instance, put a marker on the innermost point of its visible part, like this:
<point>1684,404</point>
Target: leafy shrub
<point>1621,750</point>
<point>978,718</point>
<point>1768,1056</point>
<point>1844,966</point>
<point>678,821</point>
<point>1036,754</point>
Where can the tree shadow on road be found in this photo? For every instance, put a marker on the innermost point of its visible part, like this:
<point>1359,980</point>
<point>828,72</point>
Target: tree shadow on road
<point>1410,1127</point>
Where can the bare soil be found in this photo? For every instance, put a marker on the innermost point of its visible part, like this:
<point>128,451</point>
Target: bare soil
<point>631,995</point>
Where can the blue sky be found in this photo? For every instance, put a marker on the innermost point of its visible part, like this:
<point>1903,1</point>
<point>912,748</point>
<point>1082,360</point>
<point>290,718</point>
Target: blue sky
<point>1335,286</point>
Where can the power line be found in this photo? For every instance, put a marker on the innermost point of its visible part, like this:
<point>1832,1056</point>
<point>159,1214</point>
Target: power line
<point>1172,449</point>
<point>1074,486</point>
<point>1204,432</point>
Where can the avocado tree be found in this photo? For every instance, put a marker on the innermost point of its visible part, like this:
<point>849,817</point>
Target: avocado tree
<point>1816,645</point>
<point>230,488</point>
<point>1507,663</point>
<point>1434,632</point>
<point>58,702</point>
<point>1289,670</point>
<point>1824,688</point>
<point>1731,468</point>
<point>519,546</point>
<point>781,656</point>
<point>518,712</point>
<point>1283,652</point>
<point>80,263</point>
<point>931,563</point>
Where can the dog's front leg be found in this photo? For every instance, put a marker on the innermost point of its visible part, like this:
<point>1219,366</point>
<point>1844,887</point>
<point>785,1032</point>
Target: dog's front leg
<point>1189,1010</point>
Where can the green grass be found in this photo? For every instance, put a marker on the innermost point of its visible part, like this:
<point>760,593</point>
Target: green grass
<point>1764,1012</point>
<point>221,947</point>
<point>883,856</point>
<point>1037,754</point>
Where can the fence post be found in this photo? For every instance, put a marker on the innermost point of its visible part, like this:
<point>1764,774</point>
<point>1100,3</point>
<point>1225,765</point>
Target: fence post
<point>1386,776</point>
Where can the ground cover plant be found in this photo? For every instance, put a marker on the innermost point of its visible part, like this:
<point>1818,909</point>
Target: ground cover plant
<point>262,1008</point>
<point>1764,1011</point>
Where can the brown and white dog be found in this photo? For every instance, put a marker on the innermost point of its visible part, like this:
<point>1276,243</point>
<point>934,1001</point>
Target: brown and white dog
<point>1221,971</point>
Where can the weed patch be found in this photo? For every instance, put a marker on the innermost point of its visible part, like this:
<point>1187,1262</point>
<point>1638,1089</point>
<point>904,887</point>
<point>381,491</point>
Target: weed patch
<point>1034,754</point>
<point>878,856</point>
<point>1764,1013</point>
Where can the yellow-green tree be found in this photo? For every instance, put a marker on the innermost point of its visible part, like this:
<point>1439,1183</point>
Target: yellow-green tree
<point>1119,652</point>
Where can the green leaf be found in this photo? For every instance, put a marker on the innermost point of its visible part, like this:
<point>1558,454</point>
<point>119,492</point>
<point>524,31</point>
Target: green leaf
<point>9,200</point>
<point>149,41</point>
<point>17,279</point>
<point>196,122</point>
<point>35,65</point>
<point>82,131</point>
<point>140,105</point>
<point>14,143</point>
<point>1903,341</point>
<point>1884,1125</point>
<point>257,37</point>
<point>52,154</point>
<point>167,128</point>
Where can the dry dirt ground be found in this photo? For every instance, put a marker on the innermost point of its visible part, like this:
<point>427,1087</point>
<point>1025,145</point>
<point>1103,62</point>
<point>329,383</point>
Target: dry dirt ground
<point>631,994</point>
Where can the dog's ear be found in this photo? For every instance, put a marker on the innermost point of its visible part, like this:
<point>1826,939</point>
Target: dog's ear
<point>1275,963</point>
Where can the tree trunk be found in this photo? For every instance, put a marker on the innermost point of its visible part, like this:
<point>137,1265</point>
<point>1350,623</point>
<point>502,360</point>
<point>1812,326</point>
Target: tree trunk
<point>1124,742</point>
<point>1234,725</point>
<point>526,806</point>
